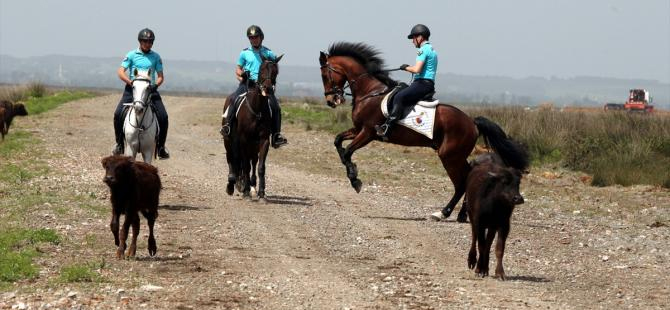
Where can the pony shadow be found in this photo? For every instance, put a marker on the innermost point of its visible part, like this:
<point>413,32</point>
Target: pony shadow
<point>527,279</point>
<point>180,208</point>
<point>289,200</point>
<point>160,258</point>
<point>416,219</point>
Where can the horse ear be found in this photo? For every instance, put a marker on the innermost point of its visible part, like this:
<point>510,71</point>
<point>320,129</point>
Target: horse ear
<point>279,58</point>
<point>323,58</point>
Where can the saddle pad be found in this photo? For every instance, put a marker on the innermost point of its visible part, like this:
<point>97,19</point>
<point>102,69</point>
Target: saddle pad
<point>241,98</point>
<point>421,119</point>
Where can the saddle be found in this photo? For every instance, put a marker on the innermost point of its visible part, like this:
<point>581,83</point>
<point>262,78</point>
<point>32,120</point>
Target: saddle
<point>427,101</point>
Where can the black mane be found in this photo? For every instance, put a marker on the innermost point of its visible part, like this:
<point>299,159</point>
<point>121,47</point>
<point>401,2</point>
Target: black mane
<point>367,56</point>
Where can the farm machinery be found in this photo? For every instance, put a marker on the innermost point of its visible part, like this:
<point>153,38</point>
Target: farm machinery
<point>638,101</point>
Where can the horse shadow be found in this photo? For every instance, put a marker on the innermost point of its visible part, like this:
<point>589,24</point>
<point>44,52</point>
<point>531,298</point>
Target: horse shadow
<point>180,207</point>
<point>394,218</point>
<point>527,279</point>
<point>289,200</point>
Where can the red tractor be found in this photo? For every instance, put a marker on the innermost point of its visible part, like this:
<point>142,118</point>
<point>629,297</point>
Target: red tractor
<point>639,101</point>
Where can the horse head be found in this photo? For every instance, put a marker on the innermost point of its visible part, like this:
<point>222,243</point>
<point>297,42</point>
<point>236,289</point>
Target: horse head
<point>334,80</point>
<point>141,90</point>
<point>267,75</point>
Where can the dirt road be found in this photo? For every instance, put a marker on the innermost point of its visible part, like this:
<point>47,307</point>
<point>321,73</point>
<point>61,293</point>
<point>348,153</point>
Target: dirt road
<point>318,244</point>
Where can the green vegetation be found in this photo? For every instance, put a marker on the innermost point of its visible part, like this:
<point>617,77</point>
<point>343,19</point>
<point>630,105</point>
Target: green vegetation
<point>616,148</point>
<point>37,105</point>
<point>17,249</point>
<point>22,166</point>
<point>317,116</point>
<point>82,272</point>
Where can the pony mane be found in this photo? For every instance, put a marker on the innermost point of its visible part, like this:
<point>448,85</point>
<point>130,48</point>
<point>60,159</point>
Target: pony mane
<point>367,56</point>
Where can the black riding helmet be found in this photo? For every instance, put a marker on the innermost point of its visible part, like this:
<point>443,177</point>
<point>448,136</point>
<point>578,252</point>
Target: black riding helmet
<point>254,30</point>
<point>419,29</point>
<point>146,34</point>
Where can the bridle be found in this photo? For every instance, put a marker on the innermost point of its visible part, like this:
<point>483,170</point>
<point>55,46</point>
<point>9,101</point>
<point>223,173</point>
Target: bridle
<point>145,104</point>
<point>262,79</point>
<point>336,90</point>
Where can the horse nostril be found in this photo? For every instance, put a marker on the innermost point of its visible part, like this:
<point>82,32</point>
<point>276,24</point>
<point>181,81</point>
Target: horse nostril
<point>518,199</point>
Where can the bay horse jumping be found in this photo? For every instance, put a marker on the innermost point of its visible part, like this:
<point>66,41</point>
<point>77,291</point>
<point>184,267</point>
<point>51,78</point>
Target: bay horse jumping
<point>248,143</point>
<point>358,67</point>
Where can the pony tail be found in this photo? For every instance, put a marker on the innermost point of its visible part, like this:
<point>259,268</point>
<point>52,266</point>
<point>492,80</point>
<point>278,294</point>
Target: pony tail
<point>513,153</point>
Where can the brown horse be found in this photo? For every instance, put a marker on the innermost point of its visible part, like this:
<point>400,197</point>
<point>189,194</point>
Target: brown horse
<point>358,66</point>
<point>247,145</point>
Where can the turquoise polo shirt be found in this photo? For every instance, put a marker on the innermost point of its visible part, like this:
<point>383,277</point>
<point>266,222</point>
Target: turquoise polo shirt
<point>136,59</point>
<point>250,60</point>
<point>428,55</point>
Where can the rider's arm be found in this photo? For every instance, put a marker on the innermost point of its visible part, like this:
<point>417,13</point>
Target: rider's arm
<point>238,73</point>
<point>415,68</point>
<point>123,76</point>
<point>159,78</point>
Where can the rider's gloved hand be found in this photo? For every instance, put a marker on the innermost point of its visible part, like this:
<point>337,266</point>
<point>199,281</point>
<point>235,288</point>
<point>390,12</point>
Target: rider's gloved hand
<point>244,75</point>
<point>404,66</point>
<point>153,88</point>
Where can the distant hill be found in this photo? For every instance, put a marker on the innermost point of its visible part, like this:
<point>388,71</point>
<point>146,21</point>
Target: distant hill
<point>218,78</point>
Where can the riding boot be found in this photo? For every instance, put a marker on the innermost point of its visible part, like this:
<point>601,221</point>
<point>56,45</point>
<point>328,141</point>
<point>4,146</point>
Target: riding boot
<point>277,139</point>
<point>384,130</point>
<point>226,129</point>
<point>118,133</point>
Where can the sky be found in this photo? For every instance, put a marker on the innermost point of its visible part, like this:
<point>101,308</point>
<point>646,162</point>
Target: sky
<point>515,38</point>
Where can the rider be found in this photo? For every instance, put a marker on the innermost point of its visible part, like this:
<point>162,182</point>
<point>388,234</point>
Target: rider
<point>423,84</point>
<point>248,65</point>
<point>142,58</point>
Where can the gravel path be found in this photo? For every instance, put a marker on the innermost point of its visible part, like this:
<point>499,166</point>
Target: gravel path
<point>317,244</point>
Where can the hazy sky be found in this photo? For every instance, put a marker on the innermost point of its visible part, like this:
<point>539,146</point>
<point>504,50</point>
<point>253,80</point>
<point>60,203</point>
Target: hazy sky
<point>516,38</point>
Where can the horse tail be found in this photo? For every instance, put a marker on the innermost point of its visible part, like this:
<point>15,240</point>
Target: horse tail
<point>513,153</point>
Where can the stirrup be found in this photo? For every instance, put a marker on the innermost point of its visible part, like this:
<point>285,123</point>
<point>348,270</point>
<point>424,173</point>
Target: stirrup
<point>225,130</point>
<point>278,140</point>
<point>382,130</point>
<point>118,149</point>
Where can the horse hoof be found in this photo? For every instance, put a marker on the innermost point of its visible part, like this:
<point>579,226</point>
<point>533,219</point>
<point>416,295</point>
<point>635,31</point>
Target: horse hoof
<point>357,185</point>
<point>230,189</point>
<point>437,216</point>
<point>462,219</point>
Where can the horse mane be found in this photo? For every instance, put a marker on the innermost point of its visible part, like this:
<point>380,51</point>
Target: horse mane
<point>367,56</point>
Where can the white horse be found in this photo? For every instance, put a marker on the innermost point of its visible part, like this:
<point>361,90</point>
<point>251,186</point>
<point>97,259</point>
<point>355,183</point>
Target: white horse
<point>140,125</point>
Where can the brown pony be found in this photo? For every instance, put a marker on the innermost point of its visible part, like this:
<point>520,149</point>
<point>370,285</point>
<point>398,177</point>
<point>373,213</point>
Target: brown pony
<point>358,66</point>
<point>247,145</point>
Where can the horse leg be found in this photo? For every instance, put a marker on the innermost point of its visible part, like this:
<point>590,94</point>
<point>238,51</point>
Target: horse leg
<point>472,255</point>
<point>252,180</point>
<point>349,134</point>
<point>246,168</point>
<point>362,139</point>
<point>457,168</point>
<point>265,146</point>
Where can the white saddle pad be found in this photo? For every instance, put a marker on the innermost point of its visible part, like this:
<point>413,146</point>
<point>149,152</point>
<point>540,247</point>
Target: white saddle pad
<point>421,119</point>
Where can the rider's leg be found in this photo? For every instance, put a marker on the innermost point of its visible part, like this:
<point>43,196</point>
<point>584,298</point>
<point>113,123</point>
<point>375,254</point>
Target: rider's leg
<point>162,116</point>
<point>118,119</point>
<point>277,138</point>
<point>232,109</point>
<point>403,99</point>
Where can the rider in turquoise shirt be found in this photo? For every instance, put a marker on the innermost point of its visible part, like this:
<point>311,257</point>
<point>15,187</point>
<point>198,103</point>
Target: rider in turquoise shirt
<point>142,59</point>
<point>248,65</point>
<point>423,84</point>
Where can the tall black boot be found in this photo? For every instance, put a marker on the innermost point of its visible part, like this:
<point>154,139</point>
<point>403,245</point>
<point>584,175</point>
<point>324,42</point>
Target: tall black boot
<point>118,135</point>
<point>227,128</point>
<point>384,130</point>
<point>277,138</point>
